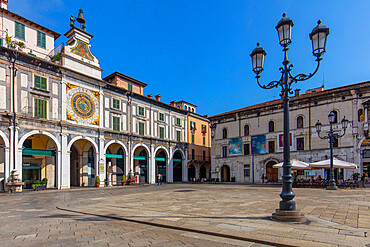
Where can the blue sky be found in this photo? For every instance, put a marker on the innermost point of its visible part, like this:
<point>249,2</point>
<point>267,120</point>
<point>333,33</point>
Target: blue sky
<point>198,50</point>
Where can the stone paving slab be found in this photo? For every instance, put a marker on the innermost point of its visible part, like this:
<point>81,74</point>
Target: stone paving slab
<point>333,217</point>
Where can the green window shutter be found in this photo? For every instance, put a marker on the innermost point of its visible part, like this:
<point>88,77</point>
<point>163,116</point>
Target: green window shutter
<point>40,108</point>
<point>116,103</point>
<point>161,117</point>
<point>161,132</point>
<point>1,42</point>
<point>40,82</point>
<point>41,39</point>
<point>141,129</point>
<point>19,30</point>
<point>141,111</point>
<point>178,121</point>
<point>192,139</point>
<point>178,133</point>
<point>204,141</point>
<point>129,87</point>
<point>116,123</point>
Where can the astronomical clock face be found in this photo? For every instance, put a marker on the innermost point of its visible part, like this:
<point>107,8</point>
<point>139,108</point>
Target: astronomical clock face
<point>82,106</point>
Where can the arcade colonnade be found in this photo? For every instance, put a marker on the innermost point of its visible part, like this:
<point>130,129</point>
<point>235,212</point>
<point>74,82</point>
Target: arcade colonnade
<point>67,160</point>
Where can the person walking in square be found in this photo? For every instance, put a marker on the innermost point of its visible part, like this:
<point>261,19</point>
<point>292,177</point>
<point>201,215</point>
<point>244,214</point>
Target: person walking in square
<point>159,178</point>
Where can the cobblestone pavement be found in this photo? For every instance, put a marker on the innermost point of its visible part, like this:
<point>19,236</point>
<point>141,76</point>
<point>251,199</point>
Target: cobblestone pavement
<point>104,217</point>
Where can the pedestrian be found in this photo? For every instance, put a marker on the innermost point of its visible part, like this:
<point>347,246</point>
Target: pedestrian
<point>159,178</point>
<point>263,178</point>
<point>366,179</point>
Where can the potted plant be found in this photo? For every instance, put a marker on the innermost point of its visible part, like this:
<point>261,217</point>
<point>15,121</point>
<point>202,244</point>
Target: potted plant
<point>97,181</point>
<point>123,180</point>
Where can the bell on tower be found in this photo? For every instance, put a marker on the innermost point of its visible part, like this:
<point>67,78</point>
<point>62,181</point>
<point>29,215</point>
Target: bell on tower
<point>80,19</point>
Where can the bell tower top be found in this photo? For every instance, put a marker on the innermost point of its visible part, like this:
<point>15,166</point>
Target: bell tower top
<point>4,4</point>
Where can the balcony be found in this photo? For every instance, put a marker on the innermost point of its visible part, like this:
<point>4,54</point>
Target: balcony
<point>200,158</point>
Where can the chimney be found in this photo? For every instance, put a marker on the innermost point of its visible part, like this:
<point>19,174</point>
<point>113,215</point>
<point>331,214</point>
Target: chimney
<point>158,97</point>
<point>206,116</point>
<point>297,92</point>
<point>150,96</point>
<point>173,103</point>
<point>4,4</point>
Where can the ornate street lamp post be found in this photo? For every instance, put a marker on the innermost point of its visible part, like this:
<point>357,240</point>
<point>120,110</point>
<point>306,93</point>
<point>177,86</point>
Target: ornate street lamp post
<point>331,136</point>
<point>287,208</point>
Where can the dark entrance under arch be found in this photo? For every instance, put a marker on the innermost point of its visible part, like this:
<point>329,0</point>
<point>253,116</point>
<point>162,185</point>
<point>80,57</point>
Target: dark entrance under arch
<point>141,164</point>
<point>225,173</point>
<point>177,167</point>
<point>160,166</point>
<point>203,171</point>
<point>272,173</point>
<point>191,173</point>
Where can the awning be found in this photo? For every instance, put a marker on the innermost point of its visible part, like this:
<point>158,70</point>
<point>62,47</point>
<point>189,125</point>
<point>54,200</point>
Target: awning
<point>160,159</point>
<point>40,152</point>
<point>139,158</point>
<point>114,156</point>
<point>177,160</point>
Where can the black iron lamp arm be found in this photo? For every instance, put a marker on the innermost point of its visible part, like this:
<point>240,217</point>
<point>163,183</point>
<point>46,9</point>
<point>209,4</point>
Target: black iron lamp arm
<point>322,137</point>
<point>303,77</point>
<point>337,136</point>
<point>270,85</point>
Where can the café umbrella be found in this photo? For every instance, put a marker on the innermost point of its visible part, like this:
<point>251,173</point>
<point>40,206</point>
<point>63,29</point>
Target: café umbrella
<point>337,164</point>
<point>296,165</point>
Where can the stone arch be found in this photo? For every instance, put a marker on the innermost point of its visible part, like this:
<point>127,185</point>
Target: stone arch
<point>118,165</point>
<point>161,167</point>
<point>297,121</point>
<point>5,139</point>
<point>165,150</point>
<point>271,173</point>
<point>39,132</point>
<point>83,138</point>
<point>117,142</point>
<point>140,145</point>
<point>225,173</point>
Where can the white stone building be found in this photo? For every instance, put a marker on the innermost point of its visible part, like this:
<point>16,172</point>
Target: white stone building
<point>264,124</point>
<point>70,124</point>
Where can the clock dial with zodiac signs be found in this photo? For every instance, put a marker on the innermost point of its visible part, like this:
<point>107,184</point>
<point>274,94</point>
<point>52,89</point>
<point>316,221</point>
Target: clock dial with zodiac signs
<point>82,105</point>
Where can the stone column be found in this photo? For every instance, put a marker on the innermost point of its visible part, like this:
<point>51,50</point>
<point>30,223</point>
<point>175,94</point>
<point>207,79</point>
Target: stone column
<point>101,159</point>
<point>151,166</point>
<point>185,166</point>
<point>169,166</point>
<point>64,164</point>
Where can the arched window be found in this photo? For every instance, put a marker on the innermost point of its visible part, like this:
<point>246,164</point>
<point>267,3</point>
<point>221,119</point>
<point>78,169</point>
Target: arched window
<point>224,133</point>
<point>360,116</point>
<point>271,126</point>
<point>185,108</point>
<point>246,130</point>
<point>300,122</point>
<point>336,116</point>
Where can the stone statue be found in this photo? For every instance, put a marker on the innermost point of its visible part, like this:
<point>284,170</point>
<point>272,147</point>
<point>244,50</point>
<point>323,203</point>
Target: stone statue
<point>72,21</point>
<point>84,27</point>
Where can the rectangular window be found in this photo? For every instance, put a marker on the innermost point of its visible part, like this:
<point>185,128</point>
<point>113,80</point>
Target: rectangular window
<point>1,42</point>
<point>115,103</point>
<point>161,132</point>
<point>335,143</point>
<point>247,171</point>
<point>193,154</point>
<point>19,31</point>
<point>116,123</point>
<point>40,110</point>
<point>178,135</point>
<point>271,146</point>
<point>141,111</point>
<point>246,149</point>
<point>178,121</point>
<point>204,155</point>
<point>40,82</point>
<point>141,129</point>
<point>204,140</point>
<point>224,151</point>
<point>204,129</point>
<point>192,139</point>
<point>300,143</point>
<point>41,39</point>
<point>161,117</point>
<point>130,87</point>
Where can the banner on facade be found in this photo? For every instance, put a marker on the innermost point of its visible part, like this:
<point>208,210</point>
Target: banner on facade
<point>281,142</point>
<point>235,146</point>
<point>258,144</point>
<point>101,167</point>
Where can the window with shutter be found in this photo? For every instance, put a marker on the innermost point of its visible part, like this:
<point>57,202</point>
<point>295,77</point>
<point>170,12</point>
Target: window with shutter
<point>204,141</point>
<point>115,103</point>
<point>40,108</point>
<point>40,82</point>
<point>41,39</point>
<point>141,111</point>
<point>192,139</point>
<point>129,87</point>
<point>19,31</point>
<point>178,121</point>
<point>141,129</point>
<point>178,135</point>
<point>161,117</point>
<point>161,132</point>
<point>116,123</point>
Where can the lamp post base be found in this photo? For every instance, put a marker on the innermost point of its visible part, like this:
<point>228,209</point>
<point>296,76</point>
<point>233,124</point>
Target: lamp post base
<point>331,187</point>
<point>288,216</point>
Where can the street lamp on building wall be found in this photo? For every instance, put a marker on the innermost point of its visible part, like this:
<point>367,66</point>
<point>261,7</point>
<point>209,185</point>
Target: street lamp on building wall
<point>287,208</point>
<point>331,136</point>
